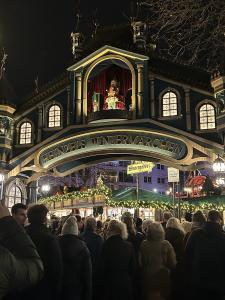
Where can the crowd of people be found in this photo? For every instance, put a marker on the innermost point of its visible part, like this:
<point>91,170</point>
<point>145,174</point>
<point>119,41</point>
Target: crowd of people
<point>83,259</point>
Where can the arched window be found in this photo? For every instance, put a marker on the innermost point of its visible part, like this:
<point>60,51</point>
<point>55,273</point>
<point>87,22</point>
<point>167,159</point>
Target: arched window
<point>169,104</point>
<point>25,133</point>
<point>54,116</point>
<point>207,118</point>
<point>14,196</point>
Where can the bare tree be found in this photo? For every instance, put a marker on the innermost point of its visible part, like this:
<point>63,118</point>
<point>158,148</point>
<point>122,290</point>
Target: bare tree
<point>189,31</point>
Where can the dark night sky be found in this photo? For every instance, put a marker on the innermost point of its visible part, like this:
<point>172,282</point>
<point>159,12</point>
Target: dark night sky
<point>36,35</point>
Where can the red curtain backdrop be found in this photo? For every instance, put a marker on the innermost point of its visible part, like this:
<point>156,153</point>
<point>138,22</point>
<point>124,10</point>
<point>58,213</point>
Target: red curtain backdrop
<point>100,83</point>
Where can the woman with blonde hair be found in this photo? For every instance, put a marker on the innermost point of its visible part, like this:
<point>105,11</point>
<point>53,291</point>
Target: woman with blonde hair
<point>175,235</point>
<point>157,259</point>
<point>117,264</point>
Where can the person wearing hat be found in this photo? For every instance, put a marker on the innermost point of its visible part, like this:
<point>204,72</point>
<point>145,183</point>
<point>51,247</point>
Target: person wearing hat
<point>205,260</point>
<point>77,269</point>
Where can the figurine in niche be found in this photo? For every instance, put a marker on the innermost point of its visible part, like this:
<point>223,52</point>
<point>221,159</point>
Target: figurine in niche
<point>114,100</point>
<point>96,102</point>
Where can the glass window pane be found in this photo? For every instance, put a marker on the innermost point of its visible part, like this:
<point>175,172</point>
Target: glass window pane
<point>173,100</point>
<point>203,126</point>
<point>165,101</point>
<point>173,112</point>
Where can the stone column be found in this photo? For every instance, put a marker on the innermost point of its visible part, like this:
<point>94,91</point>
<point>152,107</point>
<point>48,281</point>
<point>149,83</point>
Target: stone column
<point>188,110</point>
<point>78,97</point>
<point>152,96</point>
<point>140,90</point>
<point>69,108</point>
<point>40,123</point>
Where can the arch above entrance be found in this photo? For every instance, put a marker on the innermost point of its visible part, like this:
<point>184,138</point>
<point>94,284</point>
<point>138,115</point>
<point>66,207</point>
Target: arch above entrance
<point>124,141</point>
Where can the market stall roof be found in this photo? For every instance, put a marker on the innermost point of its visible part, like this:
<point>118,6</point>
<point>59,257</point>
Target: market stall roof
<point>128,198</point>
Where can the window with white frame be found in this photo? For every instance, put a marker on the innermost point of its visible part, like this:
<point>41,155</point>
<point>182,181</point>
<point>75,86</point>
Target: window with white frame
<point>54,116</point>
<point>14,195</point>
<point>207,119</point>
<point>25,133</point>
<point>169,104</point>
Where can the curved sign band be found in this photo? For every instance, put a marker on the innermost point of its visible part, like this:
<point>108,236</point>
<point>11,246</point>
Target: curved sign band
<point>112,140</point>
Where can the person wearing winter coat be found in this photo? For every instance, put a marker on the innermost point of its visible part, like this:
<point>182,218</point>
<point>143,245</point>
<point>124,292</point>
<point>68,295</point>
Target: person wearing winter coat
<point>134,237</point>
<point>93,240</point>
<point>174,233</point>
<point>157,259</point>
<point>205,260</point>
<point>20,264</point>
<point>48,248</point>
<point>117,265</point>
<point>77,273</point>
<point>198,220</point>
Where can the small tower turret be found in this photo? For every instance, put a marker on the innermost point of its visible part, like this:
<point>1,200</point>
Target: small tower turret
<point>7,109</point>
<point>77,38</point>
<point>139,34</point>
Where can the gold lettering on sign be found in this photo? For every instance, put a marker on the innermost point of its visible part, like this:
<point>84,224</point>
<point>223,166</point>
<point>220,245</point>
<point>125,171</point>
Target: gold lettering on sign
<point>163,144</point>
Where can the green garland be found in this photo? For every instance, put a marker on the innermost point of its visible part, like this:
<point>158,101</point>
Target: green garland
<point>99,190</point>
<point>102,189</point>
<point>184,205</point>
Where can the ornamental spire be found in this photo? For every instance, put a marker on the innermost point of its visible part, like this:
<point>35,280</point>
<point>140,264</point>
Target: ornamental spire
<point>3,62</point>
<point>77,38</point>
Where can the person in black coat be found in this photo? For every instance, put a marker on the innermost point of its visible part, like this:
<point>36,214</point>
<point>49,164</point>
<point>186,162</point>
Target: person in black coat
<point>20,264</point>
<point>48,248</point>
<point>174,233</point>
<point>117,265</point>
<point>134,237</point>
<point>93,240</point>
<point>77,273</point>
<point>205,260</point>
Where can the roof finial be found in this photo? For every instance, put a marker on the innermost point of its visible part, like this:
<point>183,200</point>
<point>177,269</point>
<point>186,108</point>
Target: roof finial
<point>77,37</point>
<point>36,85</point>
<point>3,62</point>
<point>78,17</point>
<point>95,23</point>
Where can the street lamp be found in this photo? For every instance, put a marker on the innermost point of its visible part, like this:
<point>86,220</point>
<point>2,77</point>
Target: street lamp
<point>45,188</point>
<point>219,168</point>
<point>2,178</point>
<point>219,165</point>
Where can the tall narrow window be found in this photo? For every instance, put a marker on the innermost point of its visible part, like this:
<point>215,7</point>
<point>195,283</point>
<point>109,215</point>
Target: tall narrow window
<point>54,116</point>
<point>14,196</point>
<point>207,117</point>
<point>169,104</point>
<point>25,133</point>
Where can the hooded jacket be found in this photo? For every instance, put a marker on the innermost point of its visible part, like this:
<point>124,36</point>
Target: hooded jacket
<point>20,263</point>
<point>77,272</point>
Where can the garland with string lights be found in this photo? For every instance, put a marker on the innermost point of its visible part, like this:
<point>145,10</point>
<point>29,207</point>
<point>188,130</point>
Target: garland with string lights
<point>187,205</point>
<point>209,203</point>
<point>100,189</point>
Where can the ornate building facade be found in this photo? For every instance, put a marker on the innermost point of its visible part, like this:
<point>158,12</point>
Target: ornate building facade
<point>117,101</point>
